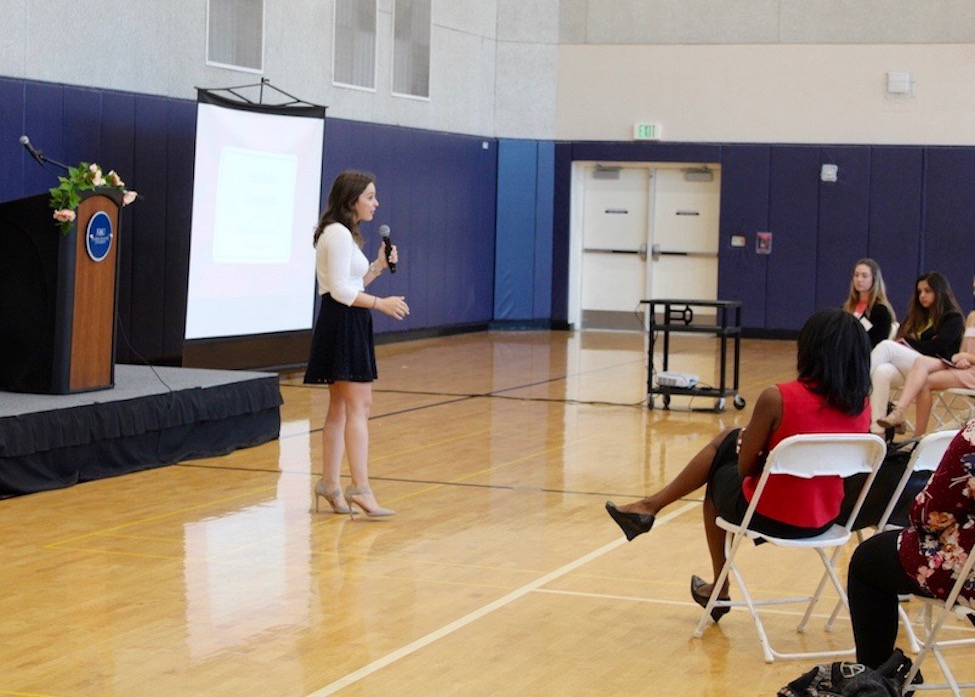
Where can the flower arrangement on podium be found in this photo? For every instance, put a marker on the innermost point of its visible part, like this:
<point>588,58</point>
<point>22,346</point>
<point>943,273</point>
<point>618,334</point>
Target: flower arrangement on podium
<point>66,196</point>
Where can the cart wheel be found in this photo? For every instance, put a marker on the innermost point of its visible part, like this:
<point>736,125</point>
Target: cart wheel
<point>739,402</point>
<point>719,405</point>
<point>666,401</point>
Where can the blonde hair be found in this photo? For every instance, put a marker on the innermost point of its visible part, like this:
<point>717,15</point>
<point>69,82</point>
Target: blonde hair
<point>878,291</point>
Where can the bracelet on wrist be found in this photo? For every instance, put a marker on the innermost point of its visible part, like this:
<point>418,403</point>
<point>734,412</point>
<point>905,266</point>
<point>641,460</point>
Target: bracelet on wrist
<point>375,299</point>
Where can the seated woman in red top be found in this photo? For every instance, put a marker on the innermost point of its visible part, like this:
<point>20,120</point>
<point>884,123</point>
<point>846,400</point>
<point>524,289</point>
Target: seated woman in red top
<point>829,396</point>
<point>924,558</point>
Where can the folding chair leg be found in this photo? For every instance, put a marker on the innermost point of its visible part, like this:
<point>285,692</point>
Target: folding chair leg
<point>830,573</point>
<point>908,629</point>
<point>931,647</point>
<point>828,563</point>
<point>730,550</point>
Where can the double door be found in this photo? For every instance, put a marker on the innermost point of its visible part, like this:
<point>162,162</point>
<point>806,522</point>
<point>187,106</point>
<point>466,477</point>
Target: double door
<point>646,232</point>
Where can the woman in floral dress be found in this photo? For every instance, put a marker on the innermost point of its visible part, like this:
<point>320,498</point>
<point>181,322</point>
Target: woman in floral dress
<point>923,559</point>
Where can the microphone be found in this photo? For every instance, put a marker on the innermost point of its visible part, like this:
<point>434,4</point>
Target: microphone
<point>384,233</point>
<point>25,141</point>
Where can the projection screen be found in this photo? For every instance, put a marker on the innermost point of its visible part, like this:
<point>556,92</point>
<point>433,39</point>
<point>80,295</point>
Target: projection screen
<point>256,197</point>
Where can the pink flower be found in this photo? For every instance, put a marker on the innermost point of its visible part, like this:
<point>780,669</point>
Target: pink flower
<point>116,180</point>
<point>64,215</point>
<point>97,178</point>
<point>128,197</point>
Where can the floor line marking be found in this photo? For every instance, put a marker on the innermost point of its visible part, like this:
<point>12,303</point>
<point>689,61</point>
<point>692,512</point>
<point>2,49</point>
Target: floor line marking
<point>414,646</point>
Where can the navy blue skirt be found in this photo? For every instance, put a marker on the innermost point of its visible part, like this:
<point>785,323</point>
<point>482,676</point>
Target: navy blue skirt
<point>342,347</point>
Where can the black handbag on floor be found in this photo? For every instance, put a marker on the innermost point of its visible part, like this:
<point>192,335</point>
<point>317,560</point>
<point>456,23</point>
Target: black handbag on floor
<point>842,679</point>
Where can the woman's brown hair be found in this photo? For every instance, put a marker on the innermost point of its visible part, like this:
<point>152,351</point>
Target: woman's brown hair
<point>346,190</point>
<point>918,317</point>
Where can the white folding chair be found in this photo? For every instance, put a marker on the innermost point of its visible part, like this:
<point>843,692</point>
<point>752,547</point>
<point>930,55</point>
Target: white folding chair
<point>957,407</point>
<point>932,627</point>
<point>806,456</point>
<point>925,457</point>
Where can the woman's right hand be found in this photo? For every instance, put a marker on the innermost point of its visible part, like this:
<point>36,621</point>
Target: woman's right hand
<point>394,306</point>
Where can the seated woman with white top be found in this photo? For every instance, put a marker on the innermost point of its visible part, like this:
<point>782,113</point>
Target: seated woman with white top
<point>931,374</point>
<point>933,327</point>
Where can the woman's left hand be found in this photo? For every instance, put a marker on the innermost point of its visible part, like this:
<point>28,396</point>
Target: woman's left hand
<point>381,261</point>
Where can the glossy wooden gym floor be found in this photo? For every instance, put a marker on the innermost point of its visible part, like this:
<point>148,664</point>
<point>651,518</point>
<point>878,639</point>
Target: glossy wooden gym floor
<point>500,575</point>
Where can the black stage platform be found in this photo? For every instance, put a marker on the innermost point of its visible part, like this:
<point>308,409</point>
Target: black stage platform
<point>152,417</point>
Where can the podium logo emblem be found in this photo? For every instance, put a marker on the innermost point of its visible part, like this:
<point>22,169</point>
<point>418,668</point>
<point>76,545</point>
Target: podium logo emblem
<point>98,237</point>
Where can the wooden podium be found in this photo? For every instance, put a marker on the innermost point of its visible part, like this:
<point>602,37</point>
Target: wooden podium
<point>58,295</point>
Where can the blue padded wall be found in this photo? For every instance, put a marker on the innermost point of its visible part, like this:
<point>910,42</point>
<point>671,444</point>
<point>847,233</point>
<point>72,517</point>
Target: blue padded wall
<point>561,187</point>
<point>14,159</point>
<point>483,225</point>
<point>793,221</point>
<point>894,234</point>
<point>544,218</point>
<point>744,211</point>
<point>909,207</point>
<point>437,193</point>
<point>949,218</point>
<point>844,207</point>
<point>524,251</point>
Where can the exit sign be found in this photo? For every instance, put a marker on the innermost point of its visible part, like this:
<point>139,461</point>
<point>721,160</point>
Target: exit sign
<point>646,131</point>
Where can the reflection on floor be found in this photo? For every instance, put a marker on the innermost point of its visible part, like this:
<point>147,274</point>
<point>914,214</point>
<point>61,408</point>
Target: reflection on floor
<point>501,574</point>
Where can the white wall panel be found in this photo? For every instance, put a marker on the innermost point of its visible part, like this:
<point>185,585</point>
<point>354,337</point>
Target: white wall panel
<point>740,71</point>
<point>682,21</point>
<point>477,18</point>
<point>877,21</point>
<point>526,99</point>
<point>100,43</point>
<point>13,38</point>
<point>770,93</point>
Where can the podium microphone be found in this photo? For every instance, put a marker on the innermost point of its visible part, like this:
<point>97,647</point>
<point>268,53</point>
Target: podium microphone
<point>384,233</point>
<point>25,141</point>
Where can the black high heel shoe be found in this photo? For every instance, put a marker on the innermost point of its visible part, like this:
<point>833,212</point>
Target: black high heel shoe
<point>702,598</point>
<point>632,524</point>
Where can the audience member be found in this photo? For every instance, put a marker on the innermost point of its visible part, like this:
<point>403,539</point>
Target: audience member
<point>868,301</point>
<point>933,327</point>
<point>924,558</point>
<point>828,396</point>
<point>931,374</point>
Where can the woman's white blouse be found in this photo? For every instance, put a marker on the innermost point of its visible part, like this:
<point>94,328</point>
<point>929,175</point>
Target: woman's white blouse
<point>339,264</point>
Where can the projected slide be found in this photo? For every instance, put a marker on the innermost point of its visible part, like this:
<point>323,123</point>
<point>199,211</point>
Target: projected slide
<point>256,197</point>
<point>255,207</point>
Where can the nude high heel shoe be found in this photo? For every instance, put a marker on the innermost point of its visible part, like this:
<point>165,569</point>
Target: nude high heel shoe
<point>354,495</point>
<point>334,498</point>
<point>895,420</point>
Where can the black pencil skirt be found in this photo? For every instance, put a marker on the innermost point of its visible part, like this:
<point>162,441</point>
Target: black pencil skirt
<point>724,488</point>
<point>342,347</point>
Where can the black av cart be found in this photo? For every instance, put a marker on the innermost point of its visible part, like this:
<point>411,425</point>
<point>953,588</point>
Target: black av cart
<point>678,316</point>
